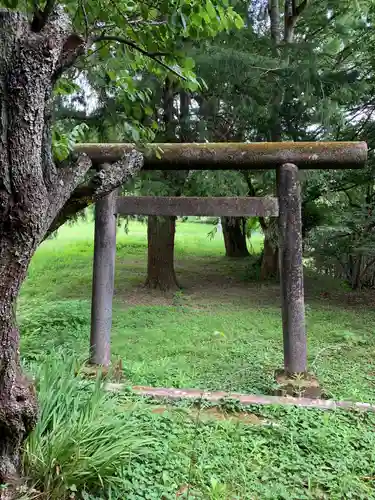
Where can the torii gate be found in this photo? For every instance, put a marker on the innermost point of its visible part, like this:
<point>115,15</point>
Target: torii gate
<point>286,157</point>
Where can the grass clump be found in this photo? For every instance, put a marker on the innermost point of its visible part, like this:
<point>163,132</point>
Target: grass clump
<point>83,440</point>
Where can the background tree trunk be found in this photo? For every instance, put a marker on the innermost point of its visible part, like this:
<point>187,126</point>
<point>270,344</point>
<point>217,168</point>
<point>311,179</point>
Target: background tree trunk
<point>234,236</point>
<point>269,267</point>
<point>161,230</point>
<point>269,264</point>
<point>160,265</point>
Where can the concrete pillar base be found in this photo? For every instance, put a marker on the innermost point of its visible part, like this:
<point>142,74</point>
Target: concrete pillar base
<point>301,385</point>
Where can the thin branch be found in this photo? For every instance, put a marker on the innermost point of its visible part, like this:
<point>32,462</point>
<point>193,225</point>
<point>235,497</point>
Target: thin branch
<point>41,16</point>
<point>130,43</point>
<point>132,24</point>
<point>87,56</point>
<point>142,22</point>
<point>85,19</point>
<point>152,55</point>
<point>64,113</point>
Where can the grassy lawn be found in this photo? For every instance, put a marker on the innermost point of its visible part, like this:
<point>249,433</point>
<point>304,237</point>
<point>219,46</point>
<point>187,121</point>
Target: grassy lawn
<point>221,331</point>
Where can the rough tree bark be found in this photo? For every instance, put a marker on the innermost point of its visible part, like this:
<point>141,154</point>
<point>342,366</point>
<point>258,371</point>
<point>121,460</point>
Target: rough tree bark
<point>160,264</point>
<point>33,192</point>
<point>234,233</point>
<point>269,268</point>
<point>161,230</point>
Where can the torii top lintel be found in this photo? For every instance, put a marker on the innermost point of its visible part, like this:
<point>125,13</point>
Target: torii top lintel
<point>235,156</point>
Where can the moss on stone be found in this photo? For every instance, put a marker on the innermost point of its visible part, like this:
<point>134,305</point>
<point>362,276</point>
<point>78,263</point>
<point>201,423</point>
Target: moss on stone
<point>226,156</point>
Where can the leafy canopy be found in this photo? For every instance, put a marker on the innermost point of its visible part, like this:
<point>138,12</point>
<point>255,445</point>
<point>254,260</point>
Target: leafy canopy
<point>128,41</point>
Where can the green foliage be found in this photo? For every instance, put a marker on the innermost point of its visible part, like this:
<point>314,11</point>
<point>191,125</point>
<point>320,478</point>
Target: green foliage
<point>82,441</point>
<point>215,183</point>
<point>10,4</point>
<point>67,323</point>
<point>343,243</point>
<point>137,46</point>
<point>65,87</point>
<point>63,142</point>
<point>270,452</point>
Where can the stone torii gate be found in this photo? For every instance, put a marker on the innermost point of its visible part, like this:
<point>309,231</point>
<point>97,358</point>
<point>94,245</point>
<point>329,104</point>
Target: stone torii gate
<point>286,157</point>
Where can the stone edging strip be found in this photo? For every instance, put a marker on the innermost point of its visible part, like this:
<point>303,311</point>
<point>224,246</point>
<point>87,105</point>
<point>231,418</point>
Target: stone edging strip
<point>244,399</point>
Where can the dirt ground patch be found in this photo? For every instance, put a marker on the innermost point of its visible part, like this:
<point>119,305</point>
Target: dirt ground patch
<point>207,281</point>
<point>207,414</point>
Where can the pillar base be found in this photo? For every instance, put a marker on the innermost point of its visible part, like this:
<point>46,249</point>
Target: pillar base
<point>298,385</point>
<point>113,372</point>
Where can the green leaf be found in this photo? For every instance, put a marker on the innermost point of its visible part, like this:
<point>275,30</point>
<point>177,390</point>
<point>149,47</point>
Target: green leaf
<point>189,63</point>
<point>148,111</point>
<point>135,134</point>
<point>211,9</point>
<point>239,22</point>
<point>11,4</point>
<point>183,20</point>
<point>111,75</point>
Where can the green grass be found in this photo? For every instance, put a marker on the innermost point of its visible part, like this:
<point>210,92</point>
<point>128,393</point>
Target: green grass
<point>222,331</point>
<point>93,445</point>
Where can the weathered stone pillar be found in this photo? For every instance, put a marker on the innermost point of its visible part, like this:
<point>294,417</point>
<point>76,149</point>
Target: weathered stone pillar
<point>103,280</point>
<point>291,270</point>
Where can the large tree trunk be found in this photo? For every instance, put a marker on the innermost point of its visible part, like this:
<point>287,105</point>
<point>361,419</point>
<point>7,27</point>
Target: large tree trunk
<point>161,230</point>
<point>18,407</point>
<point>234,236</point>
<point>160,265</point>
<point>28,198</point>
<point>34,192</point>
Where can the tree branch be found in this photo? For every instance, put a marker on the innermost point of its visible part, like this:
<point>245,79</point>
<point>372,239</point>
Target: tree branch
<point>292,13</point>
<point>146,23</point>
<point>129,43</point>
<point>301,7</point>
<point>99,184</point>
<point>41,16</point>
<point>74,47</point>
<point>152,55</point>
<point>66,181</point>
<point>84,13</point>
